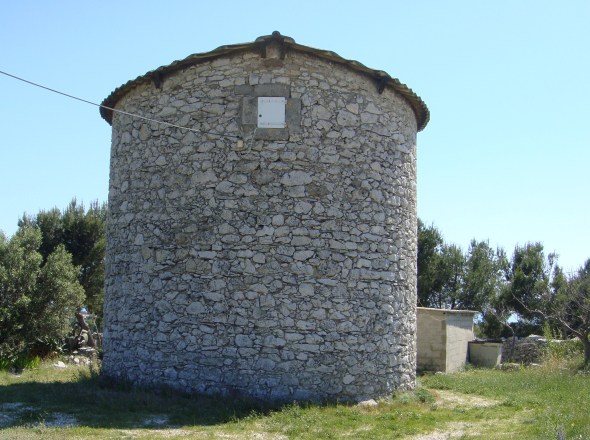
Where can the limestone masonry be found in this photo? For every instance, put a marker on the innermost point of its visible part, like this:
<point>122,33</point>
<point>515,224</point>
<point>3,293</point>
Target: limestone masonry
<point>270,251</point>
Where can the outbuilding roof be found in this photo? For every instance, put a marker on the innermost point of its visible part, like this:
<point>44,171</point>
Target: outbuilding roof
<point>382,79</point>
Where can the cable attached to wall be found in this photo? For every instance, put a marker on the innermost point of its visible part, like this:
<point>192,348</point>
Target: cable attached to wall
<point>133,115</point>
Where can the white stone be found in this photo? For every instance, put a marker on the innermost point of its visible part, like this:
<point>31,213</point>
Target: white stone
<point>319,314</point>
<point>278,220</point>
<point>371,108</point>
<point>167,111</point>
<point>306,289</point>
<point>369,118</point>
<point>367,403</point>
<point>196,308</point>
<point>243,341</point>
<point>144,132</point>
<point>300,240</point>
<point>303,255</point>
<point>265,231</point>
<point>303,207</point>
<point>346,119</point>
<point>201,177</point>
<point>348,379</point>
<point>161,161</point>
<point>320,112</point>
<point>353,108</point>
<point>213,296</point>
<point>207,255</point>
<point>295,178</point>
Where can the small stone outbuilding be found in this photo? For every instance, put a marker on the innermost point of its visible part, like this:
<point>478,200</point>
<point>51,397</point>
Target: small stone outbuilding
<point>443,339</point>
<point>262,225</point>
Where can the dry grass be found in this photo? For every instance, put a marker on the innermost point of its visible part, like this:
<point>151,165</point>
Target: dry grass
<point>51,403</point>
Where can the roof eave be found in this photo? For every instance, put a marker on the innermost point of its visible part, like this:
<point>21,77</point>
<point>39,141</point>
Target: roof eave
<point>260,45</point>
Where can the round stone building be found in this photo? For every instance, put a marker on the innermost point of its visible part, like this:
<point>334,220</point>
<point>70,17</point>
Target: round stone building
<point>262,226</point>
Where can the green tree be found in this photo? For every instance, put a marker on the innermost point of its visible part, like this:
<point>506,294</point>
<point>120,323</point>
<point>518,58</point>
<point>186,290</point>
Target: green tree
<point>19,270</point>
<point>530,282</point>
<point>83,234</point>
<point>37,298</point>
<point>484,287</point>
<point>497,315</point>
<point>567,305</point>
<point>474,280</point>
<point>483,275</point>
<point>571,307</point>
<point>57,296</point>
<point>430,243</point>
<point>440,269</point>
<point>515,296</point>
<point>450,273</point>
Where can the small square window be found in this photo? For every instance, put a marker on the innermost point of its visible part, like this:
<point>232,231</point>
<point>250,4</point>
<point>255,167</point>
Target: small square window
<point>271,112</point>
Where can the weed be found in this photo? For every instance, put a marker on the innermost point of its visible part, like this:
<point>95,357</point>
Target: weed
<point>27,362</point>
<point>19,363</point>
<point>424,395</point>
<point>5,364</point>
<point>568,353</point>
<point>566,350</point>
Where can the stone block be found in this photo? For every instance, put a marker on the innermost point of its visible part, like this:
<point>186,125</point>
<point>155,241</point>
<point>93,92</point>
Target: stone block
<point>272,90</point>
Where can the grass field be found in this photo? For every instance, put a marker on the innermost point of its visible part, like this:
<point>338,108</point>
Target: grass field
<point>51,403</point>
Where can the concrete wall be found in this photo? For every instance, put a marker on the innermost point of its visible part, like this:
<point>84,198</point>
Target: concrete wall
<point>278,266</point>
<point>442,339</point>
<point>459,332</point>
<point>431,340</point>
<point>485,354</point>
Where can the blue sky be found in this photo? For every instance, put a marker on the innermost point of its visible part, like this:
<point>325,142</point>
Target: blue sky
<point>504,158</point>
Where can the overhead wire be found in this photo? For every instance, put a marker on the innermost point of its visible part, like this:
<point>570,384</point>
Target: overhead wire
<point>133,115</point>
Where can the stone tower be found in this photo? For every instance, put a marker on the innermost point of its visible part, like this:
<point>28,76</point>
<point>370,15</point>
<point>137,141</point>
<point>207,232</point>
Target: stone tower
<point>262,241</point>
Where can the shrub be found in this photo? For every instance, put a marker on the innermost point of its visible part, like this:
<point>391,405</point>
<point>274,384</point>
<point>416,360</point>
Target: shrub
<point>5,364</point>
<point>565,350</point>
<point>424,396</point>
<point>27,362</point>
<point>37,297</point>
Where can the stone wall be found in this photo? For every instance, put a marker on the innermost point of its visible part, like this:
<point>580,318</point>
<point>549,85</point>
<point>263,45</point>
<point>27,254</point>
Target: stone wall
<point>278,268</point>
<point>529,350</point>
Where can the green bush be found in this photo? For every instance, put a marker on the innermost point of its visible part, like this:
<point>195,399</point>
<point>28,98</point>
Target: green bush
<point>425,396</point>
<point>568,353</point>
<point>5,364</point>
<point>23,361</point>
<point>37,296</point>
<point>565,350</point>
<point>26,362</point>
